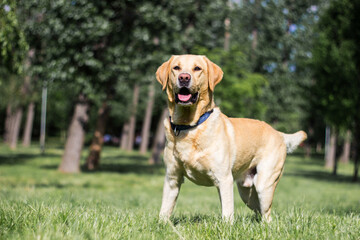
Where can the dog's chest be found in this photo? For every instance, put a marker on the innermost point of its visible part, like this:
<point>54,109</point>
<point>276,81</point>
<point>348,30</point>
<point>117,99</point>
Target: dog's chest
<point>196,163</point>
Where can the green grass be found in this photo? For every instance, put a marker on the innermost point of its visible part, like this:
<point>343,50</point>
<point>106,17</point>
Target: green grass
<point>122,200</point>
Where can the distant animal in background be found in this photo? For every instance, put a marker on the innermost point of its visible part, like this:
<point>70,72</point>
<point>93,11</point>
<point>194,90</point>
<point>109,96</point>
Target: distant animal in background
<point>211,149</point>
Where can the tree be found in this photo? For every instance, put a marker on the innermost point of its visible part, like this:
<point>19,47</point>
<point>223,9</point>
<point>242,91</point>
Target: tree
<point>28,125</point>
<point>330,156</point>
<point>274,35</point>
<point>145,131</point>
<point>12,39</point>
<point>132,120</point>
<point>81,51</point>
<point>345,155</point>
<point>336,65</point>
<point>71,158</point>
<point>92,54</point>
<point>28,92</point>
<point>13,48</point>
<point>14,103</point>
<point>159,141</point>
<point>125,136</point>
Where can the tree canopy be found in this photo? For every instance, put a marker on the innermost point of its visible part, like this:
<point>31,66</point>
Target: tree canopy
<point>336,63</point>
<point>13,46</point>
<point>100,50</point>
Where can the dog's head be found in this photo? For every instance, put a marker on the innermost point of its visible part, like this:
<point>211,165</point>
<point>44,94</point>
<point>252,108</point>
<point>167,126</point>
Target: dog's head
<point>189,79</point>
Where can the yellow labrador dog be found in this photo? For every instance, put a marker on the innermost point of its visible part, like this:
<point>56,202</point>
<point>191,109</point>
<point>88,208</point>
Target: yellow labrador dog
<point>211,149</point>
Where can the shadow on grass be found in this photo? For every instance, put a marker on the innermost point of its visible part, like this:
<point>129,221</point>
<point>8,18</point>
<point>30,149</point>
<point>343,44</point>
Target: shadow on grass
<point>127,163</point>
<point>316,159</point>
<point>67,185</point>
<point>122,163</point>
<point>314,169</point>
<point>21,158</point>
<point>320,176</point>
<point>127,168</point>
<point>342,211</point>
<point>200,218</point>
<point>190,219</point>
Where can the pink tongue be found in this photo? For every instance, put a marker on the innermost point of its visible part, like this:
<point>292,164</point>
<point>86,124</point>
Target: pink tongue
<point>184,98</point>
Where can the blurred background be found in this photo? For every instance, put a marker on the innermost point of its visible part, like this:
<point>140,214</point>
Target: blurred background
<point>80,74</point>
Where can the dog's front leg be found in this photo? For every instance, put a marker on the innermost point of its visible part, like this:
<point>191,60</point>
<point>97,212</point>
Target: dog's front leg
<point>226,192</point>
<point>170,194</point>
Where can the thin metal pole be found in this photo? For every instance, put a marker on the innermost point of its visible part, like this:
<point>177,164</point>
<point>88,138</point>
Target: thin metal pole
<point>43,118</point>
<point>327,141</point>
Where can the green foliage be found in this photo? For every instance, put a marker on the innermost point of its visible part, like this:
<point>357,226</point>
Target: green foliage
<point>60,106</point>
<point>122,201</point>
<point>336,64</point>
<point>101,48</point>
<point>240,92</point>
<point>12,92</point>
<point>276,36</point>
<point>73,36</point>
<point>13,46</point>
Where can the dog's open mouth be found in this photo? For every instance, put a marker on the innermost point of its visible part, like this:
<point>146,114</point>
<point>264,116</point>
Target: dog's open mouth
<point>185,97</point>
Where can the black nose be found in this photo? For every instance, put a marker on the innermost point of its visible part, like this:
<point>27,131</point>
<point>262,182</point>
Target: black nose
<point>184,79</point>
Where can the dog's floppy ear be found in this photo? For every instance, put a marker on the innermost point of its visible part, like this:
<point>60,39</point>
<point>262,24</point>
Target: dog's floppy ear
<point>215,73</point>
<point>162,74</point>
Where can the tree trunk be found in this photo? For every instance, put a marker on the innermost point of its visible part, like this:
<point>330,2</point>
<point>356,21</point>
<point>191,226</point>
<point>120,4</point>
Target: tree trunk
<point>336,160</point>
<point>26,91</point>
<point>227,34</point>
<point>93,159</point>
<point>8,122</point>
<point>318,147</point>
<point>15,127</point>
<point>331,155</point>
<point>132,125</point>
<point>159,141</point>
<point>145,132</point>
<point>75,140</point>
<point>254,32</point>
<point>308,143</point>
<point>125,136</point>
<point>307,150</point>
<point>345,156</point>
<point>254,41</point>
<point>28,125</point>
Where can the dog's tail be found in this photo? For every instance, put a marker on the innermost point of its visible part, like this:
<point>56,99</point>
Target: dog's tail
<point>293,140</point>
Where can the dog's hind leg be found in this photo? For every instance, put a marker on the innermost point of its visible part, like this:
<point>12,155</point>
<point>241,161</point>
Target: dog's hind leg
<point>268,176</point>
<point>249,197</point>
<point>257,191</point>
<point>258,201</point>
<point>265,195</point>
<point>247,190</point>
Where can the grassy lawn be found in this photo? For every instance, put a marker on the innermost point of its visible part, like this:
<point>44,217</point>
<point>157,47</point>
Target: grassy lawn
<point>122,200</point>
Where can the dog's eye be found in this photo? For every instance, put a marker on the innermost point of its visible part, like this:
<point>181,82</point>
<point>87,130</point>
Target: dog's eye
<point>176,68</point>
<point>197,69</point>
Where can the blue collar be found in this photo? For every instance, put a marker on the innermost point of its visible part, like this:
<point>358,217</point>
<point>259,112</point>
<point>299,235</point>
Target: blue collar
<point>178,128</point>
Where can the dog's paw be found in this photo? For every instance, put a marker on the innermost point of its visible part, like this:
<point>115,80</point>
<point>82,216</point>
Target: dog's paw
<point>164,219</point>
<point>229,219</point>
